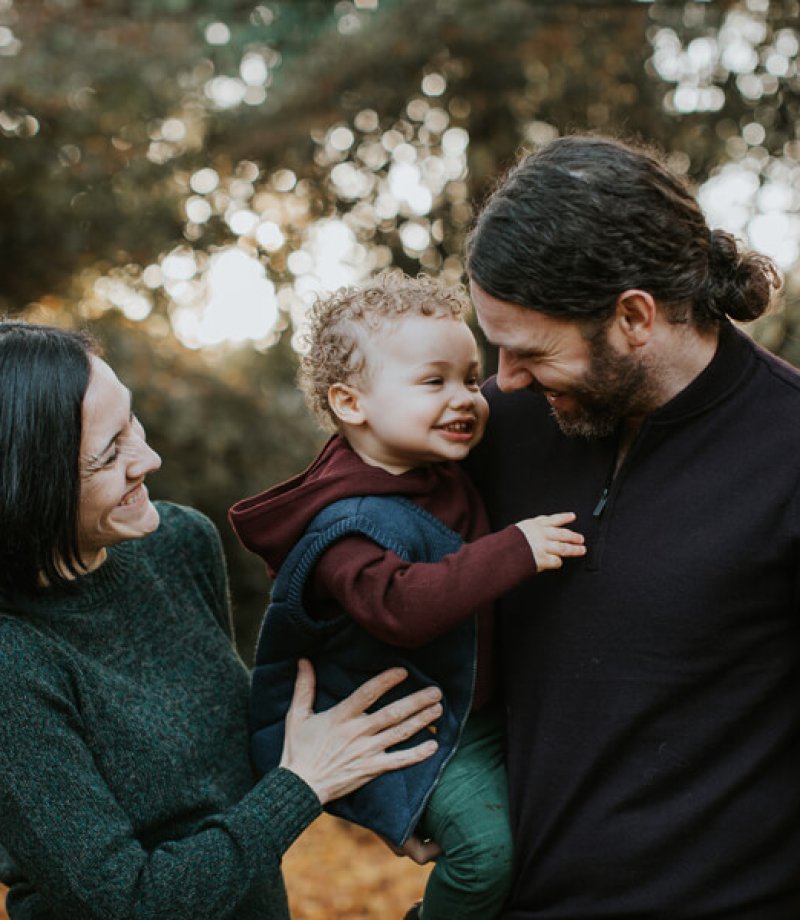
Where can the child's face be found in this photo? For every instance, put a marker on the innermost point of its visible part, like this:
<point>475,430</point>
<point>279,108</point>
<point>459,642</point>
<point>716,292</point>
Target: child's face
<point>421,402</point>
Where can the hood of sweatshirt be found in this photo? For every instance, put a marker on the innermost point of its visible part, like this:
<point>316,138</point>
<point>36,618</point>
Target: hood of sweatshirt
<point>270,523</point>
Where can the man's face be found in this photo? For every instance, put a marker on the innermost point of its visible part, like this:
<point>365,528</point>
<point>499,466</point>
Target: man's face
<point>590,386</point>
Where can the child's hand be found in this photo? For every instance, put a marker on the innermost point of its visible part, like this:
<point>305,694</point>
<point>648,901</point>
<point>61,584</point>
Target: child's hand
<point>550,541</point>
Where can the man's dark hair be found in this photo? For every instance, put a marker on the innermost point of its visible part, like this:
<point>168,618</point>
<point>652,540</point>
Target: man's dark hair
<point>585,218</point>
<point>44,374</point>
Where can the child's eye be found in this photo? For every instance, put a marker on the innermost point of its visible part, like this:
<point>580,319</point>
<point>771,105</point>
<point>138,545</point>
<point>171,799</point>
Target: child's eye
<point>432,381</point>
<point>473,382</point>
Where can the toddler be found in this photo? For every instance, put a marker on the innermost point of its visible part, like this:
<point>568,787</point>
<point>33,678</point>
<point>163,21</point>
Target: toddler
<point>383,556</point>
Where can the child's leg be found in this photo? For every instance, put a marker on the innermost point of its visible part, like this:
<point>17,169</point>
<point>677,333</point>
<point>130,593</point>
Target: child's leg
<point>467,815</point>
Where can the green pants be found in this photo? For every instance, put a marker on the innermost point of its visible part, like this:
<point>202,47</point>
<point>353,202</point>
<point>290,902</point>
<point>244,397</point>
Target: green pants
<point>467,815</point>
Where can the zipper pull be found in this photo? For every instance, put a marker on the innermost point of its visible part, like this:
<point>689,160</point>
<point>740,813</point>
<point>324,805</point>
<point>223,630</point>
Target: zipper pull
<point>600,507</point>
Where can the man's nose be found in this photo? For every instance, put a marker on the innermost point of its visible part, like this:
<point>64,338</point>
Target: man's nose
<point>511,375</point>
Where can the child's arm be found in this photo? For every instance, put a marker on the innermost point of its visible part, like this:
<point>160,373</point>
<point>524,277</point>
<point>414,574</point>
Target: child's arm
<point>409,604</point>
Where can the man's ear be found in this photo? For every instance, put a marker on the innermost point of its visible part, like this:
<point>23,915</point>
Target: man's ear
<point>345,403</point>
<point>635,317</point>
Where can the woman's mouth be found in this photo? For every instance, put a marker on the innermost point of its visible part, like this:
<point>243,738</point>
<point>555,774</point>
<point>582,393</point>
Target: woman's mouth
<point>135,495</point>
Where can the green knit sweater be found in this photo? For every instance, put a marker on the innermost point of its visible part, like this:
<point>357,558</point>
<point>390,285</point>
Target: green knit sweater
<point>126,788</point>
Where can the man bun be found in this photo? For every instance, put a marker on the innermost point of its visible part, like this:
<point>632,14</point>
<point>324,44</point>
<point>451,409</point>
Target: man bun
<point>739,283</point>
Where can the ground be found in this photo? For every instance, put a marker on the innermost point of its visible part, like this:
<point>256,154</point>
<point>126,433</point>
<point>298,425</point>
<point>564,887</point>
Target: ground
<point>337,871</point>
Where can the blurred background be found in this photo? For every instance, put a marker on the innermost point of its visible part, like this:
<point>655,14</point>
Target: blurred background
<point>184,176</point>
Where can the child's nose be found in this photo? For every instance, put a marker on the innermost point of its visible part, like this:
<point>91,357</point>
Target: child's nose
<point>462,396</point>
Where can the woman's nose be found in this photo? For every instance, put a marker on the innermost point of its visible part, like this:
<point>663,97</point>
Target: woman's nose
<point>144,461</point>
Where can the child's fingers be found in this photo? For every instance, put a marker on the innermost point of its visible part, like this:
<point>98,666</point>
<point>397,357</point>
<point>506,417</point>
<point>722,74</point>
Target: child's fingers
<point>561,534</point>
<point>549,561</point>
<point>556,520</point>
<point>568,549</point>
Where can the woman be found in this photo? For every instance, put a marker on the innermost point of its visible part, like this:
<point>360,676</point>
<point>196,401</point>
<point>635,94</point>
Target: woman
<point>125,782</point>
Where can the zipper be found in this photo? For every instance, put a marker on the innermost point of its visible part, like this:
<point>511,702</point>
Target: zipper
<point>612,485</point>
<point>600,507</point>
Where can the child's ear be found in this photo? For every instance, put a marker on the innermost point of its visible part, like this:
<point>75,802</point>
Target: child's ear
<point>345,404</point>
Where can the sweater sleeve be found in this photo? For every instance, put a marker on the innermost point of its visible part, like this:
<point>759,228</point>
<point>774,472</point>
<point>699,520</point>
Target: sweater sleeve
<point>409,604</point>
<point>71,840</point>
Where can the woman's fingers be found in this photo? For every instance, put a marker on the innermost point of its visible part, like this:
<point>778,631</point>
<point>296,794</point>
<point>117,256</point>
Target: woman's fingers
<point>411,706</point>
<point>341,748</point>
<point>381,762</point>
<point>371,691</point>
<point>399,731</point>
<point>304,685</point>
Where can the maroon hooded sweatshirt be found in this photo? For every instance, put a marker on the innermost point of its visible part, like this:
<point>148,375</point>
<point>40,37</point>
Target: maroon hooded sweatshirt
<point>401,603</point>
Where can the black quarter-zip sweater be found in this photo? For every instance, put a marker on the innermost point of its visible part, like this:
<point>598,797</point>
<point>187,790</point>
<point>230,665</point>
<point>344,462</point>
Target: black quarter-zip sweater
<point>653,688</point>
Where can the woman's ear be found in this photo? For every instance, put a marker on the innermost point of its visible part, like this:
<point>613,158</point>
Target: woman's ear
<point>345,404</point>
<point>635,317</point>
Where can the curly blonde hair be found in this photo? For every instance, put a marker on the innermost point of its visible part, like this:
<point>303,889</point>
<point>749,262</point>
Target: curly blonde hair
<point>338,325</point>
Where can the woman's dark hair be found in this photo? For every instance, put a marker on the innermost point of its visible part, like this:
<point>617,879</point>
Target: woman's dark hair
<point>44,373</point>
<point>585,218</point>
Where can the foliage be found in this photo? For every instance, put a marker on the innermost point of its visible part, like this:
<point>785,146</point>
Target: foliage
<point>144,143</point>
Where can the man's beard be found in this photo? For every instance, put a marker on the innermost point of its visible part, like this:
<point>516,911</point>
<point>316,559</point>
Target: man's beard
<point>614,388</point>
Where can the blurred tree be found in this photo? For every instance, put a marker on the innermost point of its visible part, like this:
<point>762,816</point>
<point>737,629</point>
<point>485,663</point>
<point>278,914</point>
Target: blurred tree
<point>191,172</point>
<point>221,437</point>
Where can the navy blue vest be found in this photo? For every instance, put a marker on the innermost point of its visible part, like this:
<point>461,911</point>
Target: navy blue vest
<point>344,655</point>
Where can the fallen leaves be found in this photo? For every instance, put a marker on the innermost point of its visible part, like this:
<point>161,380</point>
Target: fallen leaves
<point>338,871</point>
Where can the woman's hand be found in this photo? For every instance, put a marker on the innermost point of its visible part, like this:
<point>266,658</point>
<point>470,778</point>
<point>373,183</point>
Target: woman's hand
<point>343,748</point>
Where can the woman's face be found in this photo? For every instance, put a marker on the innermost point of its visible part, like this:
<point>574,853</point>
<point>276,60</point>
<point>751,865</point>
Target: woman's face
<point>114,460</point>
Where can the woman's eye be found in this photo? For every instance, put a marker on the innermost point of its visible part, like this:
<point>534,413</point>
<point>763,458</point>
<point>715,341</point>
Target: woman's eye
<point>109,461</point>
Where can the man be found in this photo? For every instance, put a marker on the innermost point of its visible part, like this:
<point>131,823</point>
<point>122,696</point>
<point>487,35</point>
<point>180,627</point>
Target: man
<point>652,688</point>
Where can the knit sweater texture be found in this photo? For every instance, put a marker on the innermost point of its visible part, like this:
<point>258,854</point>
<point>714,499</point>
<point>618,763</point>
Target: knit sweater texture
<point>126,788</point>
<point>653,691</point>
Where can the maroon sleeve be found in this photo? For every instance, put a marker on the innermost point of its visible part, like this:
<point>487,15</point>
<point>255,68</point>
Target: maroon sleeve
<point>409,604</point>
